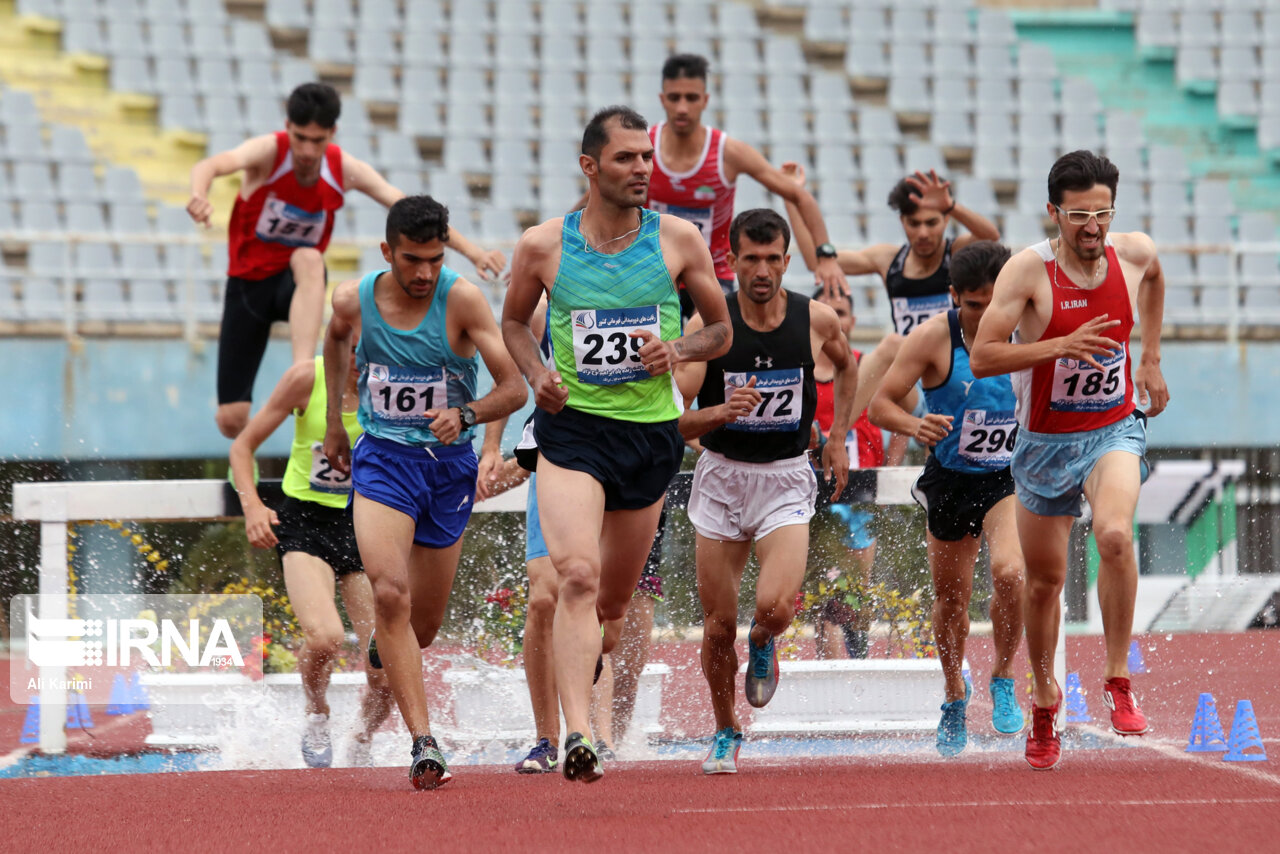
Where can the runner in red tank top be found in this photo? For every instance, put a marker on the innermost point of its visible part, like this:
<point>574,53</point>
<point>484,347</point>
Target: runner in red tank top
<point>1068,302</point>
<point>294,181</point>
<point>696,167</point>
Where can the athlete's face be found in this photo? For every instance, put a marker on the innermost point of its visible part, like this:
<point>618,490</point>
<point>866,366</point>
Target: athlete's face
<point>1086,241</point>
<point>925,231</point>
<point>843,309</point>
<point>307,143</point>
<point>684,99</point>
<point>973,303</point>
<point>625,164</point>
<point>415,266</point>
<point>759,267</point>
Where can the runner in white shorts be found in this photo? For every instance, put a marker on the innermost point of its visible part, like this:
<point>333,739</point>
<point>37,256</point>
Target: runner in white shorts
<point>753,481</point>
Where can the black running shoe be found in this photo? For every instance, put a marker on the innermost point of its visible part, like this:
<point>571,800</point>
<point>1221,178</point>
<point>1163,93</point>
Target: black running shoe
<point>428,770</point>
<point>580,760</point>
<point>375,660</point>
<point>599,669</point>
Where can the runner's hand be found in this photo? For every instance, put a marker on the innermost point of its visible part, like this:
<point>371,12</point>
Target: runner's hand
<point>931,192</point>
<point>490,263</point>
<point>794,171</point>
<point>200,209</point>
<point>1087,342</point>
<point>337,448</point>
<point>446,424</point>
<point>258,522</point>
<point>742,402</point>
<point>657,356</point>
<point>487,474</point>
<point>831,277</point>
<point>549,391</point>
<point>932,429</point>
<point>1153,393</point>
<point>835,463</point>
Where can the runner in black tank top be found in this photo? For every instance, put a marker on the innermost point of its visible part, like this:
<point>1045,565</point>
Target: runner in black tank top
<point>913,301</point>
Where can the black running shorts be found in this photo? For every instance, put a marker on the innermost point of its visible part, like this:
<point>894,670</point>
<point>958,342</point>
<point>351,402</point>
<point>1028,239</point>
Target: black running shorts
<point>324,532</point>
<point>248,310</point>
<point>955,502</point>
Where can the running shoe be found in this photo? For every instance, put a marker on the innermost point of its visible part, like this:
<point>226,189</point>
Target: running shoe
<point>605,752</point>
<point>1126,717</point>
<point>952,734</point>
<point>1044,744</point>
<point>542,758</point>
<point>1006,716</point>
<point>723,757</point>
<point>762,671</point>
<point>599,668</point>
<point>317,749</point>
<point>375,660</point>
<point>580,759</point>
<point>428,770</point>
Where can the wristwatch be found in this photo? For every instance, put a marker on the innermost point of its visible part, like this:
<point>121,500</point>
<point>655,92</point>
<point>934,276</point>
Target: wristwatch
<point>467,416</point>
<point>826,250</point>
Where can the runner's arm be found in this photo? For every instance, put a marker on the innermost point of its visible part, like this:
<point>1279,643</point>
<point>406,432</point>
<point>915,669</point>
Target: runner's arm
<point>530,262</point>
<point>1148,379</point>
<point>835,457</point>
<point>699,276</point>
<point>873,259</point>
<point>338,341</point>
<point>508,393</point>
<point>490,458</point>
<point>910,364</point>
<point>256,153</point>
<point>740,157</point>
<point>978,227</point>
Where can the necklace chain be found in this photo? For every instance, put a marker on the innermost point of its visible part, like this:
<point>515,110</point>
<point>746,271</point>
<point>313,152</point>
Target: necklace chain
<point>1057,263</point>
<point>596,248</point>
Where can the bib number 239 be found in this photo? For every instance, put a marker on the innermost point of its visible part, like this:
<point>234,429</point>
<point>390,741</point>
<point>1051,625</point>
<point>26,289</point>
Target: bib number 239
<point>402,396</point>
<point>324,477</point>
<point>604,352</point>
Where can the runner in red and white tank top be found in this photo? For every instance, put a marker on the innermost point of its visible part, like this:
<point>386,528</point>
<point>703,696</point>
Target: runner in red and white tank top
<point>1069,395</point>
<point>702,195</point>
<point>282,215</point>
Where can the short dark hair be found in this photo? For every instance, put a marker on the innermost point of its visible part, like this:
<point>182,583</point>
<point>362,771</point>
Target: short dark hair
<point>419,218</point>
<point>821,291</point>
<point>689,65</point>
<point>1079,171</point>
<point>314,102</point>
<point>900,198</point>
<point>977,265</point>
<point>761,225</point>
<point>595,136</point>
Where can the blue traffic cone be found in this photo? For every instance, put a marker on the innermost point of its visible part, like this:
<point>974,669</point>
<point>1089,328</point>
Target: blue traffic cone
<point>73,712</point>
<point>1077,710</point>
<point>1206,729</point>
<point>1244,735</point>
<point>120,702</point>
<point>82,710</point>
<point>31,726</point>
<point>138,697</point>
<point>1136,664</point>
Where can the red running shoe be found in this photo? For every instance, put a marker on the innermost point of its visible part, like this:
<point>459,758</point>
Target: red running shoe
<point>1044,745</point>
<point>1126,717</point>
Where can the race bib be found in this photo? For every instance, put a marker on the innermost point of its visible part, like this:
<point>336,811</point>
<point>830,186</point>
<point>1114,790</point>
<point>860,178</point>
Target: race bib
<point>604,353</point>
<point>986,438</point>
<point>1080,387</point>
<point>780,393</point>
<point>324,477</point>
<point>402,396</point>
<point>281,222</point>
<point>910,312</point>
<point>701,217</point>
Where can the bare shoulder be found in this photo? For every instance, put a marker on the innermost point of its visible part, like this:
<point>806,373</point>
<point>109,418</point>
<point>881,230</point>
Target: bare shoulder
<point>465,295</point>
<point>679,231</point>
<point>296,384</point>
<point>346,299</point>
<point>1023,272</point>
<point>1134,247</point>
<point>930,333</point>
<point>542,239</point>
<point>823,319</point>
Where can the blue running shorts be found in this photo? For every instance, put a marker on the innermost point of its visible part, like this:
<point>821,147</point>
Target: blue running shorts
<point>858,523</point>
<point>534,546</point>
<point>435,487</point>
<point>1049,469</point>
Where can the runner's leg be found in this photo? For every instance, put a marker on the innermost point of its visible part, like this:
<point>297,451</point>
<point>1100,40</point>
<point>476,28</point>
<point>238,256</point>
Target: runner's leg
<point>1008,572</point>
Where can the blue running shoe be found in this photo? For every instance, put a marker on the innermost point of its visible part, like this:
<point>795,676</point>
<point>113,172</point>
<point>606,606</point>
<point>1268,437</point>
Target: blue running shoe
<point>1006,716</point>
<point>317,748</point>
<point>762,671</point>
<point>952,736</point>
<point>375,660</point>
<point>580,759</point>
<point>428,770</point>
<point>723,757</point>
<point>543,758</point>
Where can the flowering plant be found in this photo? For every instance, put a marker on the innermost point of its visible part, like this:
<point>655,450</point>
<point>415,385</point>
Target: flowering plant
<point>499,628</point>
<point>906,616</point>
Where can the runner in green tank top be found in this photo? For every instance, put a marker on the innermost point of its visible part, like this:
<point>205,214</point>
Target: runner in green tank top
<point>607,406</point>
<point>316,542</point>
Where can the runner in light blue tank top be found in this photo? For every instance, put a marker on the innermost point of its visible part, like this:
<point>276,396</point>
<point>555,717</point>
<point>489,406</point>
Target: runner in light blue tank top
<point>405,374</point>
<point>983,425</point>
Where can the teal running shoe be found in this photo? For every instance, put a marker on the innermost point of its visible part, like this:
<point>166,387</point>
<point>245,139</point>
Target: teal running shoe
<point>723,756</point>
<point>762,671</point>
<point>580,759</point>
<point>1006,716</point>
<point>952,736</point>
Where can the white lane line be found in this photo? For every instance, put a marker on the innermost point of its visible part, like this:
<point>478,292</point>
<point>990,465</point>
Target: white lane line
<point>1003,804</point>
<point>1177,750</point>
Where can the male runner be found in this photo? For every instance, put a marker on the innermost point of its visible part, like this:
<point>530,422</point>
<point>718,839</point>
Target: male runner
<point>696,167</point>
<point>1071,303</point>
<point>414,470</point>
<point>607,408</point>
<point>294,180</point>
<point>316,542</point>
<point>842,625</point>
<point>965,488</point>
<point>753,480</point>
<point>915,274</point>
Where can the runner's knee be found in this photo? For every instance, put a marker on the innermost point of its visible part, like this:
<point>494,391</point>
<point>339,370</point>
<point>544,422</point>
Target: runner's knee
<point>324,642</point>
<point>1007,576</point>
<point>1041,588</point>
<point>720,629</point>
<point>775,617</point>
<point>542,603</point>
<point>307,265</point>
<point>391,599</point>
<point>1115,541</point>
<point>579,579</point>
<point>231,420</point>
<point>426,630</point>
